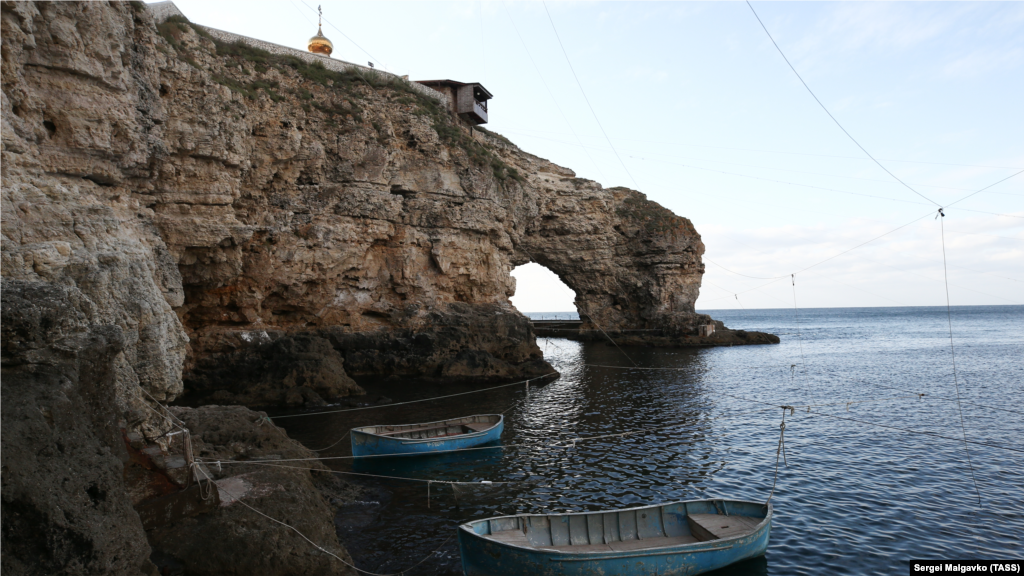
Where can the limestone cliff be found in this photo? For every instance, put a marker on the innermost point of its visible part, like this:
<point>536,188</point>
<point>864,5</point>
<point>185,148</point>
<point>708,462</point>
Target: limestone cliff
<point>347,207</point>
<point>252,228</point>
<point>213,198</point>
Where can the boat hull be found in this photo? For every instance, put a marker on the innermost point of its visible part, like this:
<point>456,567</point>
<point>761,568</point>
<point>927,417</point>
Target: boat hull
<point>368,444</point>
<point>485,557</point>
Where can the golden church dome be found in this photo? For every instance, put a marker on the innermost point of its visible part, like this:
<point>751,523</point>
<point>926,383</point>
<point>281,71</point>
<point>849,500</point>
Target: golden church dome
<point>319,44</point>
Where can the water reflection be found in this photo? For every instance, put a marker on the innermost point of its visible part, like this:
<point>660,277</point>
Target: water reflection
<point>850,490</point>
<point>476,464</point>
<point>543,463</point>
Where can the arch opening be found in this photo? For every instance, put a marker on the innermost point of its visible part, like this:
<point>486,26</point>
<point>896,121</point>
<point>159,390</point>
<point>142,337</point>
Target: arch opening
<point>540,294</point>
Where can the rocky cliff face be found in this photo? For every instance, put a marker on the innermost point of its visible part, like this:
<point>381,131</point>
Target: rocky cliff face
<point>77,85</point>
<point>345,207</point>
<point>64,504</point>
<point>214,198</point>
<point>250,228</point>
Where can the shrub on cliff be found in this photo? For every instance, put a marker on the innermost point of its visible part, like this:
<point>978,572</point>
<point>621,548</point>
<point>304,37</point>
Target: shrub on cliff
<point>173,29</point>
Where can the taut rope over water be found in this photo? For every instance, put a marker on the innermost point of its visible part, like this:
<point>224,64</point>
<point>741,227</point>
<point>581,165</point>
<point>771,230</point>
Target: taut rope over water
<point>941,216</point>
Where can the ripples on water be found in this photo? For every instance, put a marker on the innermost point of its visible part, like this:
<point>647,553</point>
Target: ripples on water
<point>854,499</point>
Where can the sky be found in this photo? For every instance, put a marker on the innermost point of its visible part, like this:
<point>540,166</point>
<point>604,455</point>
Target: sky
<point>692,104</point>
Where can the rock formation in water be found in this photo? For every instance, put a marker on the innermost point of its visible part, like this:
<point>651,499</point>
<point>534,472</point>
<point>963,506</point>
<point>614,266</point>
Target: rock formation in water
<point>182,215</point>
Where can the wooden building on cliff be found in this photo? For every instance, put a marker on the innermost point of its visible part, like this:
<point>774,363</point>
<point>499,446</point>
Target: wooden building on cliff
<point>468,100</point>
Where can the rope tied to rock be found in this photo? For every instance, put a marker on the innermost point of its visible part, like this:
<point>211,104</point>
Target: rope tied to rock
<point>336,442</point>
<point>238,500</point>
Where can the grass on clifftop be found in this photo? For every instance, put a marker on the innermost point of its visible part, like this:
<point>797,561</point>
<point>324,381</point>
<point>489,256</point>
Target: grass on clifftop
<point>653,217</point>
<point>345,82</point>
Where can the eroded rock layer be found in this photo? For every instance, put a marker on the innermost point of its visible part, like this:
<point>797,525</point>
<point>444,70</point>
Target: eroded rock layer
<point>64,505</point>
<point>212,198</point>
<point>181,215</point>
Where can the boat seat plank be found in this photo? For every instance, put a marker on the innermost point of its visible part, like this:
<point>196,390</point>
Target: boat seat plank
<point>578,548</point>
<point>627,546</point>
<point>511,537</point>
<point>648,543</point>
<point>720,526</point>
<point>420,429</point>
<point>479,426</point>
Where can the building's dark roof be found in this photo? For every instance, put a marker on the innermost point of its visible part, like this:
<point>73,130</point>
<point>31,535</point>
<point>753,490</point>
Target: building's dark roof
<point>478,89</point>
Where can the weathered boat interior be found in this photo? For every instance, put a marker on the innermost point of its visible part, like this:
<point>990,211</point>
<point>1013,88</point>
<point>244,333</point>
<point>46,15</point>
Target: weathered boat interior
<point>442,429</point>
<point>626,530</point>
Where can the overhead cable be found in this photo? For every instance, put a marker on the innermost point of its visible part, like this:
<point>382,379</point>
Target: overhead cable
<point>777,278</point>
<point>346,37</point>
<point>693,167</point>
<point>778,181</point>
<point>850,136</point>
<point>985,188</point>
<point>750,165</point>
<point>578,83</point>
<point>778,151</point>
<point>873,423</point>
<point>546,87</point>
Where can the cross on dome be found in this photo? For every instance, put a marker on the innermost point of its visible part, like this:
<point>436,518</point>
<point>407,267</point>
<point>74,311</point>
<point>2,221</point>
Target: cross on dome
<point>319,44</point>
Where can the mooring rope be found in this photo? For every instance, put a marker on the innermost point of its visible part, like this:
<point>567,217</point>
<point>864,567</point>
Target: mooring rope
<point>912,431</point>
<point>413,401</point>
<point>336,443</point>
<point>781,449</point>
<point>239,500</point>
<point>167,414</point>
<point>571,442</point>
<point>949,318</point>
<point>368,456</point>
<point>879,425</point>
<point>930,395</point>
<point>348,473</point>
<point>822,371</point>
<point>796,314</point>
<point>847,403</point>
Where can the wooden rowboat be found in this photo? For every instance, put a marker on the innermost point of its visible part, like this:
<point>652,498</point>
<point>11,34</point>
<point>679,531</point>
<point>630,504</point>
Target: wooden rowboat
<point>681,538</point>
<point>428,437</point>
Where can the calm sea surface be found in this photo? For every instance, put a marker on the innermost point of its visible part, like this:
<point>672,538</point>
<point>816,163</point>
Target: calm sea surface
<point>860,494</point>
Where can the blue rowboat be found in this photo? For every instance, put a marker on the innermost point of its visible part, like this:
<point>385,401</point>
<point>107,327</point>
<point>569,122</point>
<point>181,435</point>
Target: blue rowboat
<point>427,438</point>
<point>667,540</point>
<point>451,464</point>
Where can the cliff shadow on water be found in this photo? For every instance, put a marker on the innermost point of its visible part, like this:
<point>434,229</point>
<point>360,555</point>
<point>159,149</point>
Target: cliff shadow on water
<point>533,469</point>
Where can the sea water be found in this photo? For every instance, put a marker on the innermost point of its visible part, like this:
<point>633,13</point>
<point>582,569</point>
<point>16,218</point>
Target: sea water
<point>874,474</point>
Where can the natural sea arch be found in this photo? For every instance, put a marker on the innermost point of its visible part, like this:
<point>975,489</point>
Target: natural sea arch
<point>539,290</point>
